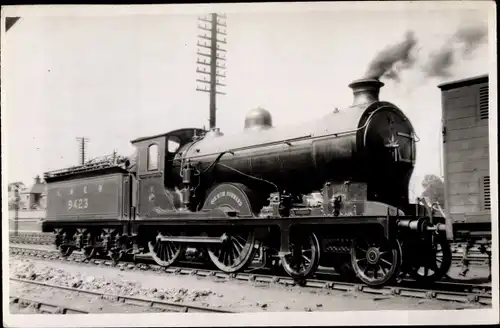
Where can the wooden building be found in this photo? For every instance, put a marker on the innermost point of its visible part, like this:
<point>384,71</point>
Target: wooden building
<point>466,154</point>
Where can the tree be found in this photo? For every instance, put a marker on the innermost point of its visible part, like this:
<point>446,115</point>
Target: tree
<point>13,185</point>
<point>433,188</point>
<point>18,185</point>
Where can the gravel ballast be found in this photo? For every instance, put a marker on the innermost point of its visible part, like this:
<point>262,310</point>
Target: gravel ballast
<point>229,295</point>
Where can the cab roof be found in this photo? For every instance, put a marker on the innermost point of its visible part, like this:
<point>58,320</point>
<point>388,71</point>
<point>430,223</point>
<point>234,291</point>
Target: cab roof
<point>183,134</point>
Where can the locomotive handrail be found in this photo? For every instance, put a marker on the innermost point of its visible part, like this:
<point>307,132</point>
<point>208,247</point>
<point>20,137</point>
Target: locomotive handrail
<point>284,141</point>
<point>438,207</point>
<point>448,223</point>
<point>431,206</point>
<point>412,136</point>
<point>287,141</point>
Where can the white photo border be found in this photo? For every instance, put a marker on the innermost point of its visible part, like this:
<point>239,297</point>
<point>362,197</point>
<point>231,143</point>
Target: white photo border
<point>451,317</point>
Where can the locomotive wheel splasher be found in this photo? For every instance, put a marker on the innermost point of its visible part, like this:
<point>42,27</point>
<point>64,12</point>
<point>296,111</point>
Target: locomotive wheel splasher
<point>237,249</point>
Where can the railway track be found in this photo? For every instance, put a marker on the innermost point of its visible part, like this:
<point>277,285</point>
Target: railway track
<point>44,306</point>
<point>33,238</point>
<point>150,304</point>
<point>443,291</point>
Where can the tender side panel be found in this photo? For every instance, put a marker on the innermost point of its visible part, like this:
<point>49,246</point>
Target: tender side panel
<point>96,197</point>
<point>466,153</point>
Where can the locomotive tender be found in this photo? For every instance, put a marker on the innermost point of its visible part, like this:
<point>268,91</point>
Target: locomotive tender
<point>235,197</point>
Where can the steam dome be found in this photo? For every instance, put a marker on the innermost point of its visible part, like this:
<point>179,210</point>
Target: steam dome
<point>258,119</point>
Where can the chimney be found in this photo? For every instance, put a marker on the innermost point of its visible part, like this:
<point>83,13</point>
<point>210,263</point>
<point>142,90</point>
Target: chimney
<point>365,91</point>
<point>37,179</point>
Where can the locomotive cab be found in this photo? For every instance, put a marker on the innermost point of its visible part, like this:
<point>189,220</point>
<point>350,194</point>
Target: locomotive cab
<point>156,177</point>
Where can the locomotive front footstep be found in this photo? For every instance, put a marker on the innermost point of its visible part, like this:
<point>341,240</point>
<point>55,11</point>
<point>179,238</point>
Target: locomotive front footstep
<point>333,192</point>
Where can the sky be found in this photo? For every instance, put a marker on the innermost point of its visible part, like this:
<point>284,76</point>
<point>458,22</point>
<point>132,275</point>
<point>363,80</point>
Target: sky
<point>113,79</point>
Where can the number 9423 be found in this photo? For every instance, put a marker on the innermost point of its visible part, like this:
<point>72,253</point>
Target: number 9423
<point>80,204</point>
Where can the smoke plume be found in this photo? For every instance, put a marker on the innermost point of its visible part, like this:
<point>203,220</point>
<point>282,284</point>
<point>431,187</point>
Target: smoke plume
<point>462,44</point>
<point>392,60</point>
<point>471,38</point>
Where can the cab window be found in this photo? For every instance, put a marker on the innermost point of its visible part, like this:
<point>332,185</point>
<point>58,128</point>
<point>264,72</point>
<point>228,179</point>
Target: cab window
<point>153,157</point>
<point>173,144</point>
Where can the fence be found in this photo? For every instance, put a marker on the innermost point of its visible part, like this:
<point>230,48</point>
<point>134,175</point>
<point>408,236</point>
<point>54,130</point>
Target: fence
<point>28,221</point>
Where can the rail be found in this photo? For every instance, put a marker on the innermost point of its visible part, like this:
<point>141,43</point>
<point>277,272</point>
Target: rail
<point>138,301</point>
<point>44,306</point>
<point>442,291</point>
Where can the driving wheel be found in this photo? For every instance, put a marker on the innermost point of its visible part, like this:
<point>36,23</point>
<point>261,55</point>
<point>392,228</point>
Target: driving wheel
<point>234,253</point>
<point>375,260</point>
<point>303,259</point>
<point>165,253</point>
<point>433,261</point>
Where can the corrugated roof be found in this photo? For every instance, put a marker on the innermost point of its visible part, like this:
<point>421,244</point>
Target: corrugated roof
<point>464,82</point>
<point>38,188</point>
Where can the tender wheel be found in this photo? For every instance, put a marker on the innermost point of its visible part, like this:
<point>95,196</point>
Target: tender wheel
<point>164,253</point>
<point>376,261</point>
<point>114,252</point>
<point>114,247</point>
<point>235,253</point>
<point>65,250</point>
<point>304,257</point>
<point>89,250</point>
<point>62,239</point>
<point>434,261</point>
<point>115,255</point>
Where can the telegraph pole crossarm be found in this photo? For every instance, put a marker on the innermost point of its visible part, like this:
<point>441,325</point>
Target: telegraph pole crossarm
<point>211,62</point>
<point>82,149</point>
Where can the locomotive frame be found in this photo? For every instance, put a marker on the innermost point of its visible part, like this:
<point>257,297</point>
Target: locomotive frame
<point>242,209</point>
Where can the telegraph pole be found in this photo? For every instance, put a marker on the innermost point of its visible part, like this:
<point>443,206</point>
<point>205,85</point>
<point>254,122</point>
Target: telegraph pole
<point>16,208</point>
<point>213,59</point>
<point>82,149</point>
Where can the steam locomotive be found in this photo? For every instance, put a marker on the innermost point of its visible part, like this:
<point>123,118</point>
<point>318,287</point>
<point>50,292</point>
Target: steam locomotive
<point>240,198</point>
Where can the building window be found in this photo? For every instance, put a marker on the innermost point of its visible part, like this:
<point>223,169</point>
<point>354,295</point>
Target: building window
<point>486,193</point>
<point>153,157</point>
<point>483,102</point>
